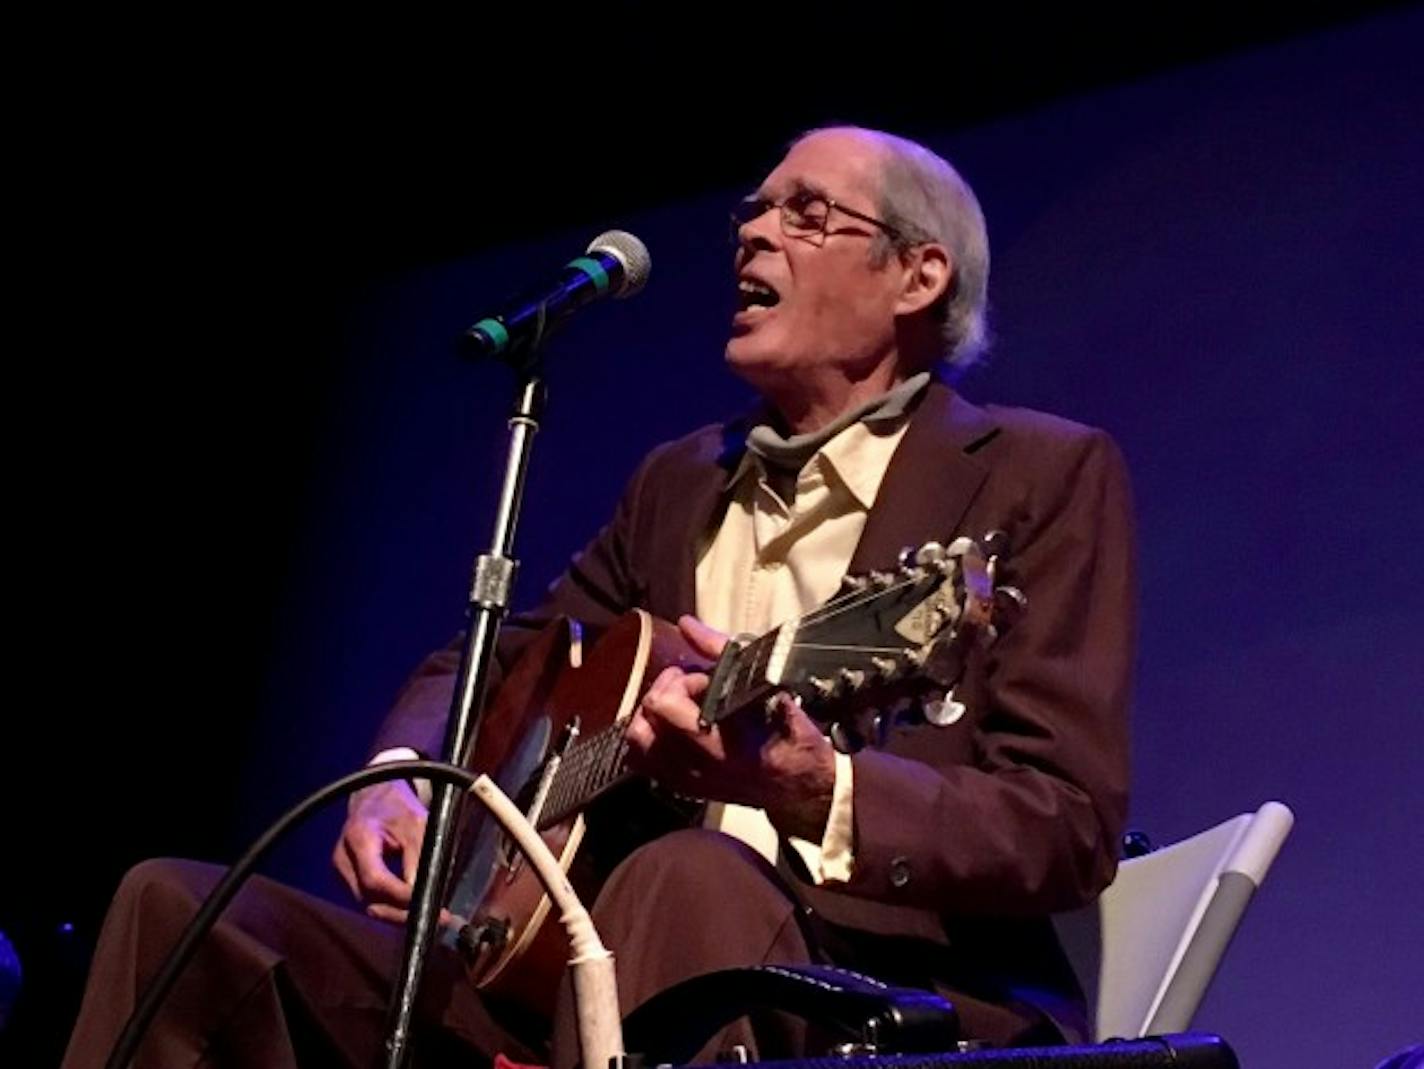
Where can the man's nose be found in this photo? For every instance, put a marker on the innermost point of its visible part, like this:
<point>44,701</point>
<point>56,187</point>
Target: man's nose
<point>761,233</point>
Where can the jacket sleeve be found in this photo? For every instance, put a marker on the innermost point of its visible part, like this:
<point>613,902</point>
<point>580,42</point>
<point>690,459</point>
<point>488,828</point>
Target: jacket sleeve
<point>1021,812</point>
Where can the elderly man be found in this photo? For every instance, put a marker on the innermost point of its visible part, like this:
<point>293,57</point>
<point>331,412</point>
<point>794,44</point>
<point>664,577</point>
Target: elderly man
<point>933,859</point>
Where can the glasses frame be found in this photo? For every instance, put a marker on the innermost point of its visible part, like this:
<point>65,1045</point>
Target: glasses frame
<point>753,208</point>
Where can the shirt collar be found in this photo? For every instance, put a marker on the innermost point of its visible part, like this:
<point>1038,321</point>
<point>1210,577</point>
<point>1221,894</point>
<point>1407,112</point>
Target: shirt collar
<point>880,418</point>
<point>858,457</point>
<point>860,454</point>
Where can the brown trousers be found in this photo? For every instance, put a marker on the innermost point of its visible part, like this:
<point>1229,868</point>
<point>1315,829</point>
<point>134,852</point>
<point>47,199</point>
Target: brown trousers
<point>286,979</point>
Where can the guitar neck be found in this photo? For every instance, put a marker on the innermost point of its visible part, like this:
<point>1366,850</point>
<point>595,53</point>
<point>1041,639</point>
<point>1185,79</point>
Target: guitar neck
<point>745,674</point>
<point>885,639</point>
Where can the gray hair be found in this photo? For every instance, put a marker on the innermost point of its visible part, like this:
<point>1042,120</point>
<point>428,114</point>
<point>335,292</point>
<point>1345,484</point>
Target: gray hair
<point>925,199</point>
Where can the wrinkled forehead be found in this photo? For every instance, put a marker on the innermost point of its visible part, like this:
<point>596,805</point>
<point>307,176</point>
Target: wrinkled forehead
<point>844,165</point>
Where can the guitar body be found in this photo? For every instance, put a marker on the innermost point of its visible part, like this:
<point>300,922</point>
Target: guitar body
<point>554,686</point>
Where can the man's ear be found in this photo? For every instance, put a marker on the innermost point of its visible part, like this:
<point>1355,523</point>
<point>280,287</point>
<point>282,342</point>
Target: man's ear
<point>928,271</point>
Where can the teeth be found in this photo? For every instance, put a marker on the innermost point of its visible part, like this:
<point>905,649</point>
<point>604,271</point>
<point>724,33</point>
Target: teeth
<point>753,295</point>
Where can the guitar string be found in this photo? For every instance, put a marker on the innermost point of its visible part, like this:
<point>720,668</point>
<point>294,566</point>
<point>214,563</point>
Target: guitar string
<point>836,607</point>
<point>832,608</point>
<point>828,646</point>
<point>571,778</point>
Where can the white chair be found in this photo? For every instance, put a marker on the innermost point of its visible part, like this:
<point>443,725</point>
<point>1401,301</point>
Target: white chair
<point>1146,950</point>
<point>1144,954</point>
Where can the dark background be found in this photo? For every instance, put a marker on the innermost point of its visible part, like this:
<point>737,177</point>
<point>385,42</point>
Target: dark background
<point>248,475</point>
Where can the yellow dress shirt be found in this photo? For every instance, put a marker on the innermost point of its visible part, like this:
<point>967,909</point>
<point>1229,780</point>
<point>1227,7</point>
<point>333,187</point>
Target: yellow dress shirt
<point>773,559</point>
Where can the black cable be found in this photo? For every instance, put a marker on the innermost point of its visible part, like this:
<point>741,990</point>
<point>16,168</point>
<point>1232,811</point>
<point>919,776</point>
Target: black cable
<point>228,886</point>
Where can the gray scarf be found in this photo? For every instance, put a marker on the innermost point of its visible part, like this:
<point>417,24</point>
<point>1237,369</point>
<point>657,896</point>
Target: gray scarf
<point>788,455</point>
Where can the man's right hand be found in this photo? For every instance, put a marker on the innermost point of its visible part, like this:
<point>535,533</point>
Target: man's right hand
<point>385,826</point>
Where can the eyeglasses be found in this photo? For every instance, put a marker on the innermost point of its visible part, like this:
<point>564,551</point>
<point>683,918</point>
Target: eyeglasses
<point>803,215</point>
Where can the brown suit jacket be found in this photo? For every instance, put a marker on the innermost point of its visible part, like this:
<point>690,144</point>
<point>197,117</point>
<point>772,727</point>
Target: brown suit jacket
<point>966,836</point>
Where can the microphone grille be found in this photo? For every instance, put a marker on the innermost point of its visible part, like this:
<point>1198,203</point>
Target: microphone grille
<point>629,251</point>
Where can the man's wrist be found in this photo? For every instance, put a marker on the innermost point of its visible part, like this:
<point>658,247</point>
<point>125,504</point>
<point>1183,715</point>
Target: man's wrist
<point>803,813</point>
<point>402,753</point>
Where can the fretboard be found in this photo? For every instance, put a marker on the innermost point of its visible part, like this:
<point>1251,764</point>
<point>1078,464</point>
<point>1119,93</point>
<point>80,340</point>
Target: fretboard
<point>593,764</point>
<point>587,768</point>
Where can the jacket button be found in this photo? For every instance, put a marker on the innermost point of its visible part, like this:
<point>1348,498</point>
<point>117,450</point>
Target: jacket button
<point>899,871</point>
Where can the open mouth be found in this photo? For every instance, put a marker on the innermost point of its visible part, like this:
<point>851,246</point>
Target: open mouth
<point>752,293</point>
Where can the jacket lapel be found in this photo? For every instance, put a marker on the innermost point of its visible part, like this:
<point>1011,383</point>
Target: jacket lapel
<point>700,496</point>
<point>931,481</point>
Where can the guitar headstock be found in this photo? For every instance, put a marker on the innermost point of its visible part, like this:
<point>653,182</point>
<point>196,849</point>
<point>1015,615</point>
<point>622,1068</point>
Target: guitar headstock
<point>887,639</point>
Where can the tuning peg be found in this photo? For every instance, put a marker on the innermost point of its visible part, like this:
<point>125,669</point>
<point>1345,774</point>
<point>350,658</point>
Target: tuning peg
<point>961,547</point>
<point>882,579</point>
<point>851,678</point>
<point>911,567</point>
<point>929,553</point>
<point>1009,604</point>
<point>823,688</point>
<point>885,666</point>
<point>942,711</point>
<point>1011,597</point>
<point>845,738</point>
<point>995,543</point>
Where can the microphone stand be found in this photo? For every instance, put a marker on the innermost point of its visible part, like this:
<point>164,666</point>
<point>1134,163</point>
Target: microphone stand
<point>488,602</point>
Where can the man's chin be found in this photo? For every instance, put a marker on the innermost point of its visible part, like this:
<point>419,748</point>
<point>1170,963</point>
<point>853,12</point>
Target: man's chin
<point>754,365</point>
<point>745,357</point>
<point>740,349</point>
<point>748,345</point>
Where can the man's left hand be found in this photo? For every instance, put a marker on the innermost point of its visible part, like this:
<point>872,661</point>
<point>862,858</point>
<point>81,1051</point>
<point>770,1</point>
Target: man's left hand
<point>775,759</point>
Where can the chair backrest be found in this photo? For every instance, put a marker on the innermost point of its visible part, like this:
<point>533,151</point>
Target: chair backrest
<point>1147,949</point>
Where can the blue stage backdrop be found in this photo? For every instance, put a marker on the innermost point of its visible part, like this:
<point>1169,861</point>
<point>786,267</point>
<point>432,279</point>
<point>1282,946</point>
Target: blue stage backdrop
<point>1223,266</point>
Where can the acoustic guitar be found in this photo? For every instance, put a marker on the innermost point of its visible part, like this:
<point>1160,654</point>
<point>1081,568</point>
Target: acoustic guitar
<point>887,649</point>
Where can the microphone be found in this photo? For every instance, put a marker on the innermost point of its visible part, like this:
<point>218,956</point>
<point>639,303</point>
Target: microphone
<point>617,264</point>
